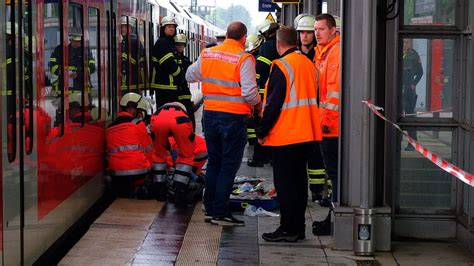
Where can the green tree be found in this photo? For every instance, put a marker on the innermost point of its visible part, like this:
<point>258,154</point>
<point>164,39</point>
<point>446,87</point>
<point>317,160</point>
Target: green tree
<point>224,16</point>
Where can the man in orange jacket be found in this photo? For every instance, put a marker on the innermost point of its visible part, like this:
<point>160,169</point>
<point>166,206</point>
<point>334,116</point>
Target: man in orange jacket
<point>128,147</point>
<point>327,61</point>
<point>230,92</point>
<point>290,126</point>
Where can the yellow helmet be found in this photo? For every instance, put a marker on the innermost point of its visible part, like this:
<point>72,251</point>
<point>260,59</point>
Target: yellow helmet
<point>130,97</point>
<point>168,20</point>
<point>253,42</point>
<point>180,38</point>
<point>306,23</point>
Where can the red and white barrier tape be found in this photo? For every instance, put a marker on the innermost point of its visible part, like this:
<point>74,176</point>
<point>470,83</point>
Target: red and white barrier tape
<point>462,175</point>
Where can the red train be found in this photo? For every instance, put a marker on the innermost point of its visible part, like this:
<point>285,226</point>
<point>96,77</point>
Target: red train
<point>53,164</point>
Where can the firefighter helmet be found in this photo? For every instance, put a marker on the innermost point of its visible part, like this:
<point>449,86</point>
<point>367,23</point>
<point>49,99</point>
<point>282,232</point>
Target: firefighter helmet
<point>268,26</point>
<point>168,20</point>
<point>143,104</point>
<point>180,38</point>
<point>306,23</point>
<point>180,106</point>
<point>253,42</point>
<point>130,99</point>
<point>75,34</point>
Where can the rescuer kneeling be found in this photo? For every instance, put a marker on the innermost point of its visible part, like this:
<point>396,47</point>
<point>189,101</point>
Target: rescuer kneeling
<point>171,119</point>
<point>129,148</point>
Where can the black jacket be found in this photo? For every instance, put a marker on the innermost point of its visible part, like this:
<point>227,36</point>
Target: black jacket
<point>266,55</point>
<point>133,66</point>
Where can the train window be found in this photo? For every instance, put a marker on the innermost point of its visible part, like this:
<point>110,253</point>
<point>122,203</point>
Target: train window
<point>78,70</point>
<point>94,96</point>
<point>439,13</point>
<point>426,84</point>
<point>53,54</point>
<point>135,48</point>
<point>28,70</point>
<point>142,64</point>
<point>10,91</point>
<point>125,70</point>
<point>108,59</point>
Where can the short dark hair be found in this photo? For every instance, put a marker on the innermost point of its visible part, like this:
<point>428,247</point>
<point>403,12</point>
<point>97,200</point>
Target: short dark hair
<point>287,36</point>
<point>330,21</point>
<point>236,30</point>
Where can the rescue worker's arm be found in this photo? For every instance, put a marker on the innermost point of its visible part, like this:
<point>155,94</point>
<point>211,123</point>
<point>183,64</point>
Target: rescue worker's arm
<point>167,62</point>
<point>333,88</point>
<point>248,84</point>
<point>263,69</point>
<point>193,74</point>
<point>276,92</point>
<point>54,61</point>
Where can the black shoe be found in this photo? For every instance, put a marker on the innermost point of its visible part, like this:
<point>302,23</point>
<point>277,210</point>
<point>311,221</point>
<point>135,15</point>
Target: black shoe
<point>301,236</point>
<point>325,202</point>
<point>322,228</point>
<point>254,163</point>
<point>409,148</point>
<point>227,221</point>
<point>207,217</point>
<point>279,235</point>
<point>316,197</point>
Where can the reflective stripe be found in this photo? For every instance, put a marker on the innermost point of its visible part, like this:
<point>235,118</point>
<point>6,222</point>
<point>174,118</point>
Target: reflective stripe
<point>159,172</point>
<point>251,130</point>
<point>176,72</point>
<point>165,57</point>
<point>72,68</point>
<point>200,156</point>
<point>330,106</point>
<point>221,82</point>
<point>258,76</point>
<point>182,173</point>
<point>159,166</point>
<point>130,172</point>
<point>52,59</point>
<point>181,178</point>
<point>159,178</point>
<point>261,91</point>
<point>163,86</point>
<point>236,99</point>
<point>133,61</point>
<point>316,171</point>
<point>125,148</point>
<point>264,60</point>
<point>317,181</point>
<point>251,136</point>
<point>289,70</point>
<point>298,103</point>
<point>54,69</point>
<point>184,97</point>
<point>7,93</point>
<point>9,61</point>
<point>184,167</point>
<point>125,56</point>
<point>154,59</point>
<point>332,94</point>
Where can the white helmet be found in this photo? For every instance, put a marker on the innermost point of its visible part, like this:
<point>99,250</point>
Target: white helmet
<point>168,20</point>
<point>253,42</point>
<point>130,97</point>
<point>306,23</point>
<point>267,25</point>
<point>180,38</point>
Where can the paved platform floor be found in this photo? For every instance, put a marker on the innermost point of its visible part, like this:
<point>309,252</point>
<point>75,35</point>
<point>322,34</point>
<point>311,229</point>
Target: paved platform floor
<point>133,232</point>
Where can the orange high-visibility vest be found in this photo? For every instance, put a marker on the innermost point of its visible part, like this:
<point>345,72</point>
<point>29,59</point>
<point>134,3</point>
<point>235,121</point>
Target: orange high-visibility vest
<point>327,61</point>
<point>128,148</point>
<point>221,78</point>
<point>299,120</point>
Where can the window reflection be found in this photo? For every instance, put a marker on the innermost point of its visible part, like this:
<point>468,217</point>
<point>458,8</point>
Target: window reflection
<point>132,55</point>
<point>93,60</point>
<point>10,92</point>
<point>427,78</point>
<point>429,12</point>
<point>142,64</point>
<point>423,185</point>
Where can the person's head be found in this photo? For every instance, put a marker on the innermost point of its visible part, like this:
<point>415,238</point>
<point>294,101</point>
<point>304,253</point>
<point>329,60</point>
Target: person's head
<point>286,39</point>
<point>168,26</point>
<point>325,29</point>
<point>180,41</point>
<point>125,26</point>
<point>305,28</point>
<point>75,36</point>
<point>407,44</point>
<point>75,105</point>
<point>253,43</point>
<point>237,31</point>
<point>268,28</point>
<point>129,103</point>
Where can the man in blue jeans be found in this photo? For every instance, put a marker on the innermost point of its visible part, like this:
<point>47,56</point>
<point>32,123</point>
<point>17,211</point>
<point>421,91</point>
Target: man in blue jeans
<point>230,92</point>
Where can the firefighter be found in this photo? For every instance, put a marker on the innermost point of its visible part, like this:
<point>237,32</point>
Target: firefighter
<point>133,65</point>
<point>304,24</point>
<point>184,94</point>
<point>171,119</point>
<point>266,54</point>
<point>252,45</point>
<point>76,69</point>
<point>166,74</point>
<point>129,148</point>
<point>77,112</point>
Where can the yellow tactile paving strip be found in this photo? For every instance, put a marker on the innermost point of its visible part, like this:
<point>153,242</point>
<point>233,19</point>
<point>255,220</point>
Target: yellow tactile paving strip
<point>116,235</point>
<point>201,241</point>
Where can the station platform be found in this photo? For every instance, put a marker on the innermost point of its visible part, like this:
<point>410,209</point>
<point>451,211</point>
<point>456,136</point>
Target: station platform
<point>147,232</point>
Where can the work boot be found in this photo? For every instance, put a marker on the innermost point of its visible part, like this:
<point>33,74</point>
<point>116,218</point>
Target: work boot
<point>254,163</point>
<point>323,228</point>
<point>279,235</point>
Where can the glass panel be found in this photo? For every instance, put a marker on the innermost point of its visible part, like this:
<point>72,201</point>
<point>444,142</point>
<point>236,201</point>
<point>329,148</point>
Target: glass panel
<point>423,185</point>
<point>93,64</point>
<point>28,64</point>
<point>465,165</point>
<point>77,75</point>
<point>427,78</point>
<point>142,77</point>
<point>429,12</point>
<point>10,92</point>
<point>471,13</point>
<point>124,33</point>
<point>469,88</point>
<point>53,54</point>
<point>134,58</point>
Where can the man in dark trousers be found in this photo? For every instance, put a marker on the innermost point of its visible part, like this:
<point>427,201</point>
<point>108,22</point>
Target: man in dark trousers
<point>290,126</point>
<point>412,73</point>
<point>166,74</point>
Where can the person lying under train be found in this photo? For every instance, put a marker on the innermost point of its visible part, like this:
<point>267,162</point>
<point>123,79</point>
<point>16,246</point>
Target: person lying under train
<point>171,119</point>
<point>129,148</point>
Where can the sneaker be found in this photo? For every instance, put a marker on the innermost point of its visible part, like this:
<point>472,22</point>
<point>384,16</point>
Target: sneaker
<point>226,221</point>
<point>279,235</point>
<point>207,217</point>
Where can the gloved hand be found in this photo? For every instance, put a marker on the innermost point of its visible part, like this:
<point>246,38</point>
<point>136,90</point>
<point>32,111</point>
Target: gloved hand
<point>326,129</point>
